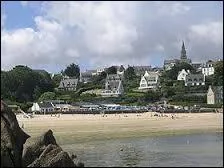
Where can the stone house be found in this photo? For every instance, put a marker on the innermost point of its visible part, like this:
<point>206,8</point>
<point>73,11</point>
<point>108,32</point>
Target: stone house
<point>113,86</point>
<point>150,80</point>
<point>195,80</point>
<point>215,95</point>
<point>69,84</point>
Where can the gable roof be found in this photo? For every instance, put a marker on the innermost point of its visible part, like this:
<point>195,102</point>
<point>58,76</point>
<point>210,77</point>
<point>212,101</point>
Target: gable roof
<point>66,83</point>
<point>45,105</point>
<point>121,68</point>
<point>217,89</point>
<point>112,85</point>
<point>113,77</point>
<point>86,74</point>
<point>197,76</point>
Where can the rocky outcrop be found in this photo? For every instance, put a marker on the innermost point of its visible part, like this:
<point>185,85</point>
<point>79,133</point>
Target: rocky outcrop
<point>12,138</point>
<point>42,151</point>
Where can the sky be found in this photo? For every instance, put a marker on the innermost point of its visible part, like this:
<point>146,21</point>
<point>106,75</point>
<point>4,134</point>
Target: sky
<point>94,34</point>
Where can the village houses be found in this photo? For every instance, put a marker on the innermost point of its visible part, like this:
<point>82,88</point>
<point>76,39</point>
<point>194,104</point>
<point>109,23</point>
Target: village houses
<point>150,80</point>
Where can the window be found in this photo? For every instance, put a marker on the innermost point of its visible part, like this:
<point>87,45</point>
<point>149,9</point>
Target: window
<point>195,79</point>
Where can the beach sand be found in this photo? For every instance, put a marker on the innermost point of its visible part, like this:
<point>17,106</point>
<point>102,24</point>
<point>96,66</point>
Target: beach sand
<point>79,128</point>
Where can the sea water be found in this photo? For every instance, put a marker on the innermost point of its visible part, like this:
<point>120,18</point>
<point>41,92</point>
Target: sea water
<point>193,150</point>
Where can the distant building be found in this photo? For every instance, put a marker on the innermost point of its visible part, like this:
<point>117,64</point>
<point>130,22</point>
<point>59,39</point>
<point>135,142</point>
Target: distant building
<point>168,64</point>
<point>120,70</point>
<point>183,57</point>
<point>140,70</point>
<point>150,80</point>
<point>208,68</point>
<point>113,86</point>
<point>195,79</point>
<point>215,95</point>
<point>197,66</point>
<point>69,84</point>
<point>43,107</point>
<point>86,77</point>
<point>182,74</point>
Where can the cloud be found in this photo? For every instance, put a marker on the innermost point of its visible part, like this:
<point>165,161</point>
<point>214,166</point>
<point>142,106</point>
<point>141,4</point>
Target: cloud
<point>108,33</point>
<point>172,8</point>
<point>207,39</point>
<point>24,3</point>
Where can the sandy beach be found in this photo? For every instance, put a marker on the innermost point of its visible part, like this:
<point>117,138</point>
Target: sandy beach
<point>88,127</point>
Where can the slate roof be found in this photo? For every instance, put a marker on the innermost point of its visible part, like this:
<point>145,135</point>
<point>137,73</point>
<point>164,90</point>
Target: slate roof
<point>121,68</point>
<point>112,85</point>
<point>142,68</point>
<point>217,89</point>
<point>195,78</point>
<point>171,61</point>
<point>113,77</point>
<point>45,105</point>
<point>68,83</point>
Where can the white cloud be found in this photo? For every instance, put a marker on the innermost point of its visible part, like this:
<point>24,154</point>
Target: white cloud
<point>211,32</point>
<point>172,8</point>
<point>108,33</point>
<point>24,3</point>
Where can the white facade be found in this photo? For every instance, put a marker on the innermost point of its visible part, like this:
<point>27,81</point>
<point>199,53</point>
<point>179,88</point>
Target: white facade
<point>208,70</point>
<point>149,80</point>
<point>182,75</point>
<point>210,96</point>
<point>35,107</point>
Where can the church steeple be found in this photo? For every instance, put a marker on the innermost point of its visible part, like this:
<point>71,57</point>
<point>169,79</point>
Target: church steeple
<point>183,52</point>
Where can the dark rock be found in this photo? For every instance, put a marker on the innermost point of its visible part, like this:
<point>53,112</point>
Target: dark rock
<point>73,156</point>
<point>42,151</point>
<point>12,138</point>
<point>35,146</point>
<point>79,164</point>
<point>53,156</point>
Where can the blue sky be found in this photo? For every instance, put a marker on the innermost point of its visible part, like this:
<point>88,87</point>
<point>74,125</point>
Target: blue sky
<point>51,35</point>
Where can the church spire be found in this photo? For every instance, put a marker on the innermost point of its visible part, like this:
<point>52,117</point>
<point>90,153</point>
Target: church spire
<point>183,52</point>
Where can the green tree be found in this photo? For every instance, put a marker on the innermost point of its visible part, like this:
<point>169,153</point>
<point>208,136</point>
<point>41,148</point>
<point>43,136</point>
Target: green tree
<point>129,73</point>
<point>218,74</point>
<point>72,70</point>
<point>20,83</point>
<point>173,72</point>
<point>111,70</point>
<point>152,96</point>
<point>47,96</point>
<point>56,80</point>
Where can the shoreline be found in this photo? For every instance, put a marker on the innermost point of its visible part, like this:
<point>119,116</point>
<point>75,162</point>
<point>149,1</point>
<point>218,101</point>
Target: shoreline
<point>83,128</point>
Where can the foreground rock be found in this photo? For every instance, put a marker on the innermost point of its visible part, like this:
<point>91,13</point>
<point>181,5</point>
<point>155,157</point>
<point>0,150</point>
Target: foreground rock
<point>42,151</point>
<point>12,138</point>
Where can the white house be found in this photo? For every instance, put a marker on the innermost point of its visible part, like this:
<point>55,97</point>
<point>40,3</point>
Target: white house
<point>149,80</point>
<point>42,107</point>
<point>182,74</point>
<point>215,95</point>
<point>113,86</point>
<point>208,68</point>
